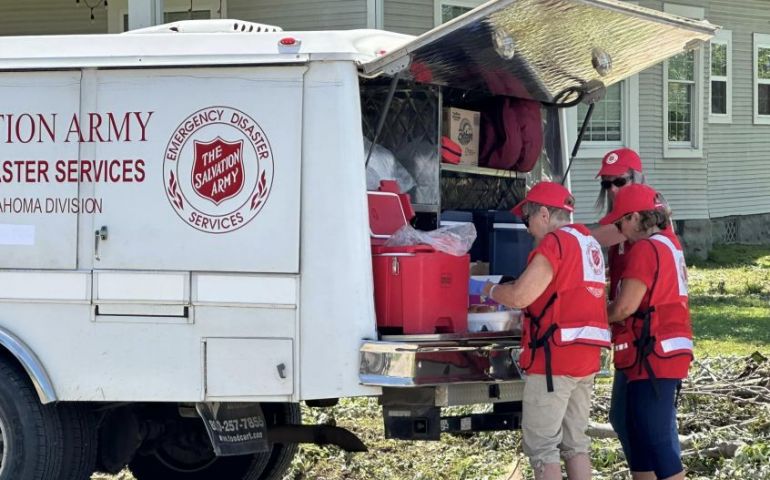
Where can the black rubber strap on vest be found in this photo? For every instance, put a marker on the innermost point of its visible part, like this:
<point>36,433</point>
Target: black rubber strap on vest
<point>645,344</point>
<point>546,344</point>
<point>538,341</point>
<point>644,347</point>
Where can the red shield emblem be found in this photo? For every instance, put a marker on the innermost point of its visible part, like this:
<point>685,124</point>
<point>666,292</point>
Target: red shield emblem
<point>218,169</point>
<point>595,259</point>
<point>596,256</point>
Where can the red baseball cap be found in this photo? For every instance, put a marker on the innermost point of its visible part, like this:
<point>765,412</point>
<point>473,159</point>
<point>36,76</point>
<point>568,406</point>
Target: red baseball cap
<point>618,162</point>
<point>546,193</point>
<point>633,198</point>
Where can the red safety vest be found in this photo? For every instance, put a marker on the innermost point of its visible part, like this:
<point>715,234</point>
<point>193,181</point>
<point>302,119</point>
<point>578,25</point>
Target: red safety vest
<point>616,256</point>
<point>654,340</point>
<point>575,313</point>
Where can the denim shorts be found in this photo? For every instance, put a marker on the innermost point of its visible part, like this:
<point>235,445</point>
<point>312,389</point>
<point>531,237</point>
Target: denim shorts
<point>650,420</point>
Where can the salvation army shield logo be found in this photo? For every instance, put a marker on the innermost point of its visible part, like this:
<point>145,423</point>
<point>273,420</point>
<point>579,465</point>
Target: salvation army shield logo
<point>218,169</point>
<point>596,260</point>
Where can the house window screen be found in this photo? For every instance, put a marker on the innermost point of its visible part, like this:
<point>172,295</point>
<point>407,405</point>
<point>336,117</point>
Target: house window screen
<point>719,78</point>
<point>681,96</point>
<point>606,123</point>
<point>448,12</point>
<point>763,80</point>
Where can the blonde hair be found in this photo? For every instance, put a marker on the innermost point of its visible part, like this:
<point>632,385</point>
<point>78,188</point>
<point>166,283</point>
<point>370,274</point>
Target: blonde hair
<point>604,202</point>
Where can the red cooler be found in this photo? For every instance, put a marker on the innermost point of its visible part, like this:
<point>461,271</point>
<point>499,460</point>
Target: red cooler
<point>416,288</point>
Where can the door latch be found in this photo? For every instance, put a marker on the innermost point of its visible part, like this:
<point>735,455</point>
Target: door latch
<point>99,235</point>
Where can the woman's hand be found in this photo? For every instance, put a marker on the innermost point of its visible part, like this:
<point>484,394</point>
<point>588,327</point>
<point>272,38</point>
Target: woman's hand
<point>628,300</point>
<point>530,285</point>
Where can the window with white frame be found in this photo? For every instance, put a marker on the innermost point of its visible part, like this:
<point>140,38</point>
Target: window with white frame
<point>682,92</point>
<point>614,122</point>
<point>606,124</point>
<point>721,102</point>
<point>446,10</point>
<point>761,78</point>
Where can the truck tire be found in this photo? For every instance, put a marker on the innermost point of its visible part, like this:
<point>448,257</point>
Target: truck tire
<point>80,444</point>
<point>281,455</point>
<point>31,432</point>
<point>158,467</point>
<point>185,453</point>
<point>172,461</point>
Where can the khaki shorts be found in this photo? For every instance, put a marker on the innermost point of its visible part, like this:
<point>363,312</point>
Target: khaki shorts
<point>554,423</point>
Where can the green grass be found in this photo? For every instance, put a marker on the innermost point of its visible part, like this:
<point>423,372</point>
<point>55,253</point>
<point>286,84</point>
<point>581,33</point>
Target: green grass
<point>730,300</point>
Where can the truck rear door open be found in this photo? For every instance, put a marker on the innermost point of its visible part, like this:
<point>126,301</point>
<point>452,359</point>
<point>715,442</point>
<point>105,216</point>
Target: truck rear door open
<point>542,50</point>
<point>551,51</point>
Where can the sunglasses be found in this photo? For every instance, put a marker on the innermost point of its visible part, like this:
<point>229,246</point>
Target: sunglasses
<point>618,182</point>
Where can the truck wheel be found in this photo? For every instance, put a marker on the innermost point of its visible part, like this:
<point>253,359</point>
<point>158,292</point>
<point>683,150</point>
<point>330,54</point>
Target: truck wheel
<point>161,466</point>
<point>281,455</point>
<point>80,444</point>
<point>185,453</point>
<point>31,433</point>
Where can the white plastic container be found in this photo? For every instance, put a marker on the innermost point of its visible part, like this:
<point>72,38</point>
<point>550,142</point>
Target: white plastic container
<point>502,321</point>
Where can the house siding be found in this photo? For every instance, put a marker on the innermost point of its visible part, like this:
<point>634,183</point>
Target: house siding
<point>683,181</point>
<point>732,177</point>
<point>302,14</point>
<point>50,17</point>
<point>412,17</point>
<point>739,153</point>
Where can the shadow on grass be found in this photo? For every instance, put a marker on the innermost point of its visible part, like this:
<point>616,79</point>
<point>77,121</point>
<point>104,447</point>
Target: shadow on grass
<point>736,256</point>
<point>738,318</point>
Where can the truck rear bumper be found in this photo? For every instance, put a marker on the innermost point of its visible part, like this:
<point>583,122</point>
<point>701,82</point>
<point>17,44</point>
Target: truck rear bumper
<point>433,360</point>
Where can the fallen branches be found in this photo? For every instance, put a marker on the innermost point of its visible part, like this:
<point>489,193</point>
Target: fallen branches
<point>724,409</point>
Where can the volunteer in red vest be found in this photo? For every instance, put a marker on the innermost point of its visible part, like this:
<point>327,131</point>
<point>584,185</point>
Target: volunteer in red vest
<point>562,292</point>
<point>653,347</point>
<point>620,168</point>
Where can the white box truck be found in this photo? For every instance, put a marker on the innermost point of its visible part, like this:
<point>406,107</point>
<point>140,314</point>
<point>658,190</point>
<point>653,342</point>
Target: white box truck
<point>184,232</point>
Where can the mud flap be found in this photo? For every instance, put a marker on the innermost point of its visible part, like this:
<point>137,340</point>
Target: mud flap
<point>234,428</point>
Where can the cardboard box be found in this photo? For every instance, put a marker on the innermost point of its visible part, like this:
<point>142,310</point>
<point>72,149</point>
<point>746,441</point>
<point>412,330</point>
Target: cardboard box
<point>462,126</point>
<point>479,268</point>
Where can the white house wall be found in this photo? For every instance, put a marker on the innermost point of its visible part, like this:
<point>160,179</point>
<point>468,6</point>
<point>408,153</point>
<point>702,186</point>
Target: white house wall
<point>412,17</point>
<point>683,181</point>
<point>739,153</point>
